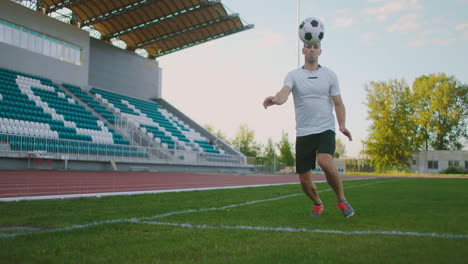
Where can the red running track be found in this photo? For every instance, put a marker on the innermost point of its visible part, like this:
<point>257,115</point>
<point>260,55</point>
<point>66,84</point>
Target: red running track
<point>50,184</point>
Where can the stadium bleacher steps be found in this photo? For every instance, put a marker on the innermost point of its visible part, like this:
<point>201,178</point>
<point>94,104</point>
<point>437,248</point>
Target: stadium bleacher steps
<point>228,148</point>
<point>124,134</point>
<point>97,108</point>
<point>45,119</point>
<point>37,115</point>
<point>183,139</point>
<point>86,106</point>
<point>137,137</point>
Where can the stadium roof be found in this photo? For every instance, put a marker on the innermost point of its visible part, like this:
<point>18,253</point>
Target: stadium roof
<point>158,26</point>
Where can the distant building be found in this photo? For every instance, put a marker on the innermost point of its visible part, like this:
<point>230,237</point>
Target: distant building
<point>433,161</point>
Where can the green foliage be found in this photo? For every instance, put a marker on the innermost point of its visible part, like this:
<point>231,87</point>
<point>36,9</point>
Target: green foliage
<point>431,115</point>
<point>454,170</point>
<point>270,149</point>
<point>217,133</point>
<point>392,131</point>
<point>270,158</point>
<point>245,141</point>
<point>340,150</point>
<point>286,152</point>
<point>441,111</point>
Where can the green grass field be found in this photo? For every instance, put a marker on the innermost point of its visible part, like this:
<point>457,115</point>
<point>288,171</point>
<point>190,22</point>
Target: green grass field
<point>398,220</point>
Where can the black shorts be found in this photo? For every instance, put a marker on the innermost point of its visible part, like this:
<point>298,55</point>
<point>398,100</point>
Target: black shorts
<point>308,146</point>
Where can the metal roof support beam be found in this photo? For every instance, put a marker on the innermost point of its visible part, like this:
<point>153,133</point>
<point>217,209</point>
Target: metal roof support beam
<point>62,5</point>
<point>133,6</point>
<point>194,28</point>
<point>41,7</point>
<point>163,19</point>
<point>120,11</point>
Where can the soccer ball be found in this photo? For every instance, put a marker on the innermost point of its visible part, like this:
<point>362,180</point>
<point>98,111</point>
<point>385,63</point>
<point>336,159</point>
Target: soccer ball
<point>311,31</point>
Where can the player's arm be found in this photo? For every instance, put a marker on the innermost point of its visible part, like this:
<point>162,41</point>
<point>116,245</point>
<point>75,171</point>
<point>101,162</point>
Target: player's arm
<point>341,115</point>
<point>280,98</point>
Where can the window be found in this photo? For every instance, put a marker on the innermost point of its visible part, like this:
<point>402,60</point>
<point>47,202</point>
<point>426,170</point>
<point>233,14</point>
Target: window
<point>414,162</point>
<point>32,43</point>
<point>454,163</point>
<point>24,39</point>
<point>466,164</point>
<point>432,164</point>
<point>15,36</point>
<point>39,43</point>
<point>7,37</point>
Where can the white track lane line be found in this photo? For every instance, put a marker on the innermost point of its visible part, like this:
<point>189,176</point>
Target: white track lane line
<point>121,193</point>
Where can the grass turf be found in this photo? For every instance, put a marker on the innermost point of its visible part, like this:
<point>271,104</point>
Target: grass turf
<point>407,205</point>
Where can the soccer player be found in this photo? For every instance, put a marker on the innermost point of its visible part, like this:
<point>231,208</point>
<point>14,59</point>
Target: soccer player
<point>315,91</point>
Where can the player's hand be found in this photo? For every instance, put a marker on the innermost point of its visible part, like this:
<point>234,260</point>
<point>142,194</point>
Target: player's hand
<point>268,102</point>
<point>346,132</point>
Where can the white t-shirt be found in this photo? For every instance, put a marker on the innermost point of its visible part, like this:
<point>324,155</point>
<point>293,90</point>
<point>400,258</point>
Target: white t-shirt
<point>312,92</point>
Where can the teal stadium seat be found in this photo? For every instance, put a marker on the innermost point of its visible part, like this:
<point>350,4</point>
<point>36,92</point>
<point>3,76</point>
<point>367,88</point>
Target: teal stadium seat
<point>35,114</point>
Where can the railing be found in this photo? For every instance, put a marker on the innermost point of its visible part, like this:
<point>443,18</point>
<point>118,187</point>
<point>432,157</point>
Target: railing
<point>140,138</point>
<point>18,146</point>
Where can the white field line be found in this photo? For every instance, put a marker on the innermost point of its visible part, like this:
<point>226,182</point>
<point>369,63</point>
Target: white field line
<point>279,229</point>
<point>73,227</point>
<point>249,203</point>
<point>306,230</point>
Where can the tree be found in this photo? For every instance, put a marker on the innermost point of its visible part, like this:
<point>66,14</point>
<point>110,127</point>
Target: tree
<point>393,128</point>
<point>217,133</point>
<point>340,150</point>
<point>286,153</point>
<point>441,111</point>
<point>270,155</point>
<point>245,141</point>
<point>270,150</point>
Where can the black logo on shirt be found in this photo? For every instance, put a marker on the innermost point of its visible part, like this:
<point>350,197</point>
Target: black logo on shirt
<point>312,77</point>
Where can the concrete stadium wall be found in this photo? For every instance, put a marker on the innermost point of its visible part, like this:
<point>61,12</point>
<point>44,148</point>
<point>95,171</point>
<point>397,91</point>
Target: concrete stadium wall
<point>77,165</point>
<point>122,71</point>
<point>22,60</point>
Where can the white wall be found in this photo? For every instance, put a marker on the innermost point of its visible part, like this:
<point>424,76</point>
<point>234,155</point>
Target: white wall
<point>442,156</point>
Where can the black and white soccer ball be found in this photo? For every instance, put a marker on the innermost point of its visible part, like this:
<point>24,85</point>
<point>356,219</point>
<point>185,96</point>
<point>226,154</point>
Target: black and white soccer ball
<point>311,31</point>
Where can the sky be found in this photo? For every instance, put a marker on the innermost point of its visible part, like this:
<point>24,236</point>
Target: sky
<point>223,82</point>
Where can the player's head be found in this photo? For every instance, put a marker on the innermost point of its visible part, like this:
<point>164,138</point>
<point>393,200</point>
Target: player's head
<point>312,52</point>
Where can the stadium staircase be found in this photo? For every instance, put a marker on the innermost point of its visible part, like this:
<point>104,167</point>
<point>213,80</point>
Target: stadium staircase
<point>158,123</point>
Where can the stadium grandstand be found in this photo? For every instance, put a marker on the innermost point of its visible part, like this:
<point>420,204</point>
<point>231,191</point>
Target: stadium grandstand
<point>80,85</point>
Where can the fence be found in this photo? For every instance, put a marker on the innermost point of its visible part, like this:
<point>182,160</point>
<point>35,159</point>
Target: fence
<point>272,165</point>
<point>17,146</point>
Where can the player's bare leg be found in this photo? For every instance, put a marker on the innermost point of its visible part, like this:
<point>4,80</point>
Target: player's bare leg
<point>325,161</point>
<point>309,187</point>
<point>334,180</point>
